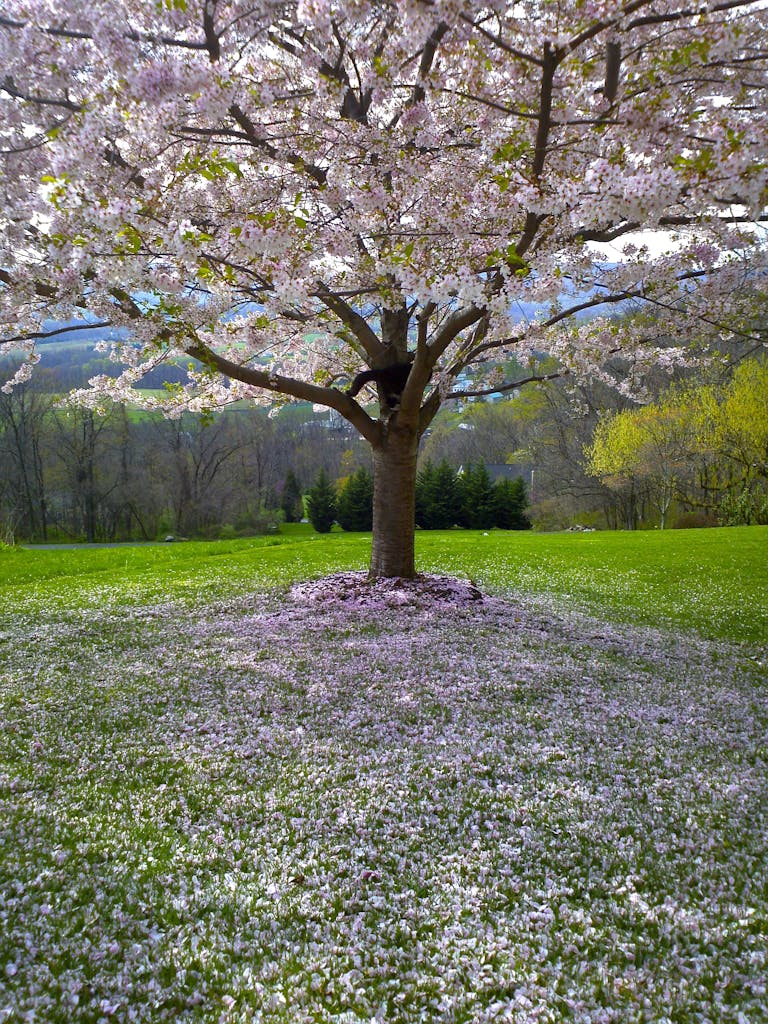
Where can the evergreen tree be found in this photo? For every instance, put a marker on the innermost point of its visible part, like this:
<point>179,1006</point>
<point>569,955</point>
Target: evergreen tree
<point>437,498</point>
<point>510,500</point>
<point>290,500</point>
<point>321,503</point>
<point>354,505</point>
<point>425,491</point>
<point>476,493</point>
<point>445,507</point>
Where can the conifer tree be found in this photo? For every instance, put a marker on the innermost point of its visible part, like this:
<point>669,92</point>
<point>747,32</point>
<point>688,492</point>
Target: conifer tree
<point>510,501</point>
<point>321,503</point>
<point>354,505</point>
<point>437,497</point>
<point>290,500</point>
<point>425,495</point>
<point>477,503</point>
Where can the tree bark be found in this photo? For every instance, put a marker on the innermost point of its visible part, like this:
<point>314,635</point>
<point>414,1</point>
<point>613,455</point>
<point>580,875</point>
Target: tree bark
<point>394,500</point>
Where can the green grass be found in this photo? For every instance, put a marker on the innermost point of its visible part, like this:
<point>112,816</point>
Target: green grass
<point>714,582</point>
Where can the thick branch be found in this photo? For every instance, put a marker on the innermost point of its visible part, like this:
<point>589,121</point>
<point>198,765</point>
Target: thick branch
<point>427,59</point>
<point>39,335</point>
<point>612,233</point>
<point>38,101</point>
<point>498,41</point>
<point>549,65</point>
<point>428,411</point>
<point>330,397</point>
<point>351,319</point>
<point>658,19</point>
<point>601,26</point>
<point>453,326</point>
<point>45,291</point>
<point>248,127</point>
<point>134,37</point>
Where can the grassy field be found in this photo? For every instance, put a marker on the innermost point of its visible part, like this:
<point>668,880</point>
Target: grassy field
<point>711,581</point>
<point>223,799</point>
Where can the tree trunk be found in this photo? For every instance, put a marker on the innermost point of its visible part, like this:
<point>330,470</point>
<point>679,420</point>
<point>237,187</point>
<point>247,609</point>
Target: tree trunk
<point>394,501</point>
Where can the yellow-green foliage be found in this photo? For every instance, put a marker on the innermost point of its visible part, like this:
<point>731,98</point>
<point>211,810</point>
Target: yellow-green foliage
<point>650,442</point>
<point>655,440</point>
<point>736,425</point>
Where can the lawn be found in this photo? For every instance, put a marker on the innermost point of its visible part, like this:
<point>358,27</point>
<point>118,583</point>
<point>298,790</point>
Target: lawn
<point>221,800</point>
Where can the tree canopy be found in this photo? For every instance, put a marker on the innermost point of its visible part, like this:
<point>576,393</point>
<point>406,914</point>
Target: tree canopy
<point>285,191</point>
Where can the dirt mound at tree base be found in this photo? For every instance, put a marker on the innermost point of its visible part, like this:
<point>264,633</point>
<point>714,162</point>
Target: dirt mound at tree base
<point>358,590</point>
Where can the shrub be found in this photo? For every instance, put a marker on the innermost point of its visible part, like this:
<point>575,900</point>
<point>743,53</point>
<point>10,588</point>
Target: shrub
<point>258,521</point>
<point>694,521</point>
<point>746,509</point>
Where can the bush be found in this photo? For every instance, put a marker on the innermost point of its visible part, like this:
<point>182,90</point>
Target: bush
<point>354,505</point>
<point>749,508</point>
<point>260,521</point>
<point>694,521</point>
<point>321,503</point>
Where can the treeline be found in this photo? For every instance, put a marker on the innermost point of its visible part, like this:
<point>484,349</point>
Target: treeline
<point>71,474</point>
<point>702,449</point>
<point>696,455</point>
<point>445,498</point>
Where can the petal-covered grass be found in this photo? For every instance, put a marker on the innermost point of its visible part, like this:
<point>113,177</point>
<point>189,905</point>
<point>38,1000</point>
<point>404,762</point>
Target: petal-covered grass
<point>245,804</point>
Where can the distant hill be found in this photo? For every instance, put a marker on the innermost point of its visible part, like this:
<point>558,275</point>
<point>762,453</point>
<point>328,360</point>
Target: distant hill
<point>68,359</point>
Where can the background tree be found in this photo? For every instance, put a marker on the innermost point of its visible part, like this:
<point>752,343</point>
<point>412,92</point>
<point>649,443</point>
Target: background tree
<point>354,504</point>
<point>321,503</point>
<point>734,424</point>
<point>200,458</point>
<point>703,444</point>
<point>510,501</point>
<point>645,451</point>
<point>489,432</point>
<point>288,192</point>
<point>476,496</point>
<point>24,487</point>
<point>291,500</point>
<point>437,496</point>
<point>615,456</point>
<point>82,438</point>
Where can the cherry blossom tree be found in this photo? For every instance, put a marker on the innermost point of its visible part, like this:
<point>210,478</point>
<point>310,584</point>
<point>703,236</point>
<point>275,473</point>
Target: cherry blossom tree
<point>289,191</point>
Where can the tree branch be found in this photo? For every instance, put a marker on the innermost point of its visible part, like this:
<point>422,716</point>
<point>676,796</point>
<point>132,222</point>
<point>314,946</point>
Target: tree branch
<point>38,101</point>
<point>330,397</point>
<point>134,37</point>
<point>248,127</point>
<point>503,388</point>
<point>498,41</point>
<point>453,326</point>
<point>39,335</point>
<point>351,319</point>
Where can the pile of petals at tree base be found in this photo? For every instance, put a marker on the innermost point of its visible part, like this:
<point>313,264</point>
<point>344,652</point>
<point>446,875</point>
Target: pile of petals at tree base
<point>358,589</point>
